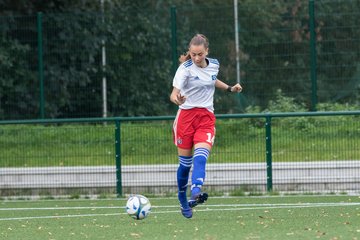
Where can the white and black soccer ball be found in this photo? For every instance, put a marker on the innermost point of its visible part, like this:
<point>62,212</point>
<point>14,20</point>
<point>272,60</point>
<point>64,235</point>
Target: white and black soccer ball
<point>138,207</point>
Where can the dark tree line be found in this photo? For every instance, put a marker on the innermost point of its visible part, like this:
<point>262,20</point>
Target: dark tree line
<point>274,54</point>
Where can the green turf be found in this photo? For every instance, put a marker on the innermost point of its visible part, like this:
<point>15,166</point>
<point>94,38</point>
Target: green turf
<point>276,217</point>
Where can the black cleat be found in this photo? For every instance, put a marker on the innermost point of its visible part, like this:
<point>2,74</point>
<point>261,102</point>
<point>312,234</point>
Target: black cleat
<point>198,199</point>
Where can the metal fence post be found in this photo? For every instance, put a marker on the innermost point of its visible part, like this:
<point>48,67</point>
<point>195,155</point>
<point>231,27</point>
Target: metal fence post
<point>118,158</point>
<point>313,56</point>
<point>174,39</point>
<point>40,64</point>
<point>269,184</point>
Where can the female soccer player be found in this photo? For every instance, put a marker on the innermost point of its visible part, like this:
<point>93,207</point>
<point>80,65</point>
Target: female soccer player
<point>194,127</point>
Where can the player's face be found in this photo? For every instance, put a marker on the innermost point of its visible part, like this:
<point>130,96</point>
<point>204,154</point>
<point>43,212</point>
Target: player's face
<point>198,54</point>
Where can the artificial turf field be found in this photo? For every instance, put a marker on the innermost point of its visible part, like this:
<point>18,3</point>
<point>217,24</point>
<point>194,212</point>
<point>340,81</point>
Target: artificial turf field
<point>266,217</point>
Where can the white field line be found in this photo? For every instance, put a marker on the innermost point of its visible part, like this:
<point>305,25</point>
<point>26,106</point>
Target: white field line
<point>175,198</point>
<point>176,206</point>
<point>205,208</point>
<point>57,208</point>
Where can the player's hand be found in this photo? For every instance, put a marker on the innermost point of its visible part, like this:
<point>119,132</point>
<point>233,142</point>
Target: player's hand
<point>179,99</point>
<point>236,88</point>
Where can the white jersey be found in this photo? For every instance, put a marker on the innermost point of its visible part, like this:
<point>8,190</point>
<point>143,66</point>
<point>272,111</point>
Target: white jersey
<point>197,84</point>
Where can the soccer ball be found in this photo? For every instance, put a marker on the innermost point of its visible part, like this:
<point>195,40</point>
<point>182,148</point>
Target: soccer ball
<point>138,207</point>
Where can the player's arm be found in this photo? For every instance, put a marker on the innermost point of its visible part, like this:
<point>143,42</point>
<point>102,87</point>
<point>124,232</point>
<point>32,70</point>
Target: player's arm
<point>221,85</point>
<point>176,97</point>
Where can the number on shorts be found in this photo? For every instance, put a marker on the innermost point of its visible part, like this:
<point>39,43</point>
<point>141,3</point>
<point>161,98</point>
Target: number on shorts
<point>210,139</point>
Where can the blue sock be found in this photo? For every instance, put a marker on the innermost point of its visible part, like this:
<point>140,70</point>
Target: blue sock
<point>198,176</point>
<point>182,179</point>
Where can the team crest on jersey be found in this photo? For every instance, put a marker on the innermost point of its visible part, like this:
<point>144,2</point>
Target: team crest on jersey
<point>179,141</point>
<point>213,77</point>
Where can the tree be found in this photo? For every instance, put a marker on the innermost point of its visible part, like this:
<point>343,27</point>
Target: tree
<point>16,99</point>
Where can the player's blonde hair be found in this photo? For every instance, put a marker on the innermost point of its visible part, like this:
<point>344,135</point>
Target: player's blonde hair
<point>198,39</point>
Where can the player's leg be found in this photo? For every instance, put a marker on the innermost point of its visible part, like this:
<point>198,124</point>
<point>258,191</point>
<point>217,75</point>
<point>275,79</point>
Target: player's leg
<point>183,139</point>
<point>183,170</point>
<point>201,154</point>
<point>203,138</point>
<point>185,162</point>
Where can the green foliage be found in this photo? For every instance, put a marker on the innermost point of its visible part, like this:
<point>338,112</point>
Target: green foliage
<point>72,43</point>
<point>237,192</point>
<point>337,107</point>
<point>136,35</point>
<point>139,66</point>
<point>17,81</point>
<point>282,103</point>
<point>338,48</point>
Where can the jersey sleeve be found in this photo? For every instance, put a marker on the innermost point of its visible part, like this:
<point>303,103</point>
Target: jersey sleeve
<point>180,77</point>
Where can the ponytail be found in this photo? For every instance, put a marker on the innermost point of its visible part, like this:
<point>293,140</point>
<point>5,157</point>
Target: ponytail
<point>184,57</point>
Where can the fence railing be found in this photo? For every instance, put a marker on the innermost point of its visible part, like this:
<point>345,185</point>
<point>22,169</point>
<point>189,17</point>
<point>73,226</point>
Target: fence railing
<point>311,151</point>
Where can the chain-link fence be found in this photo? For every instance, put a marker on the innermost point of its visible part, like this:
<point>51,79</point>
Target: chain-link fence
<point>121,62</point>
<point>293,152</point>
